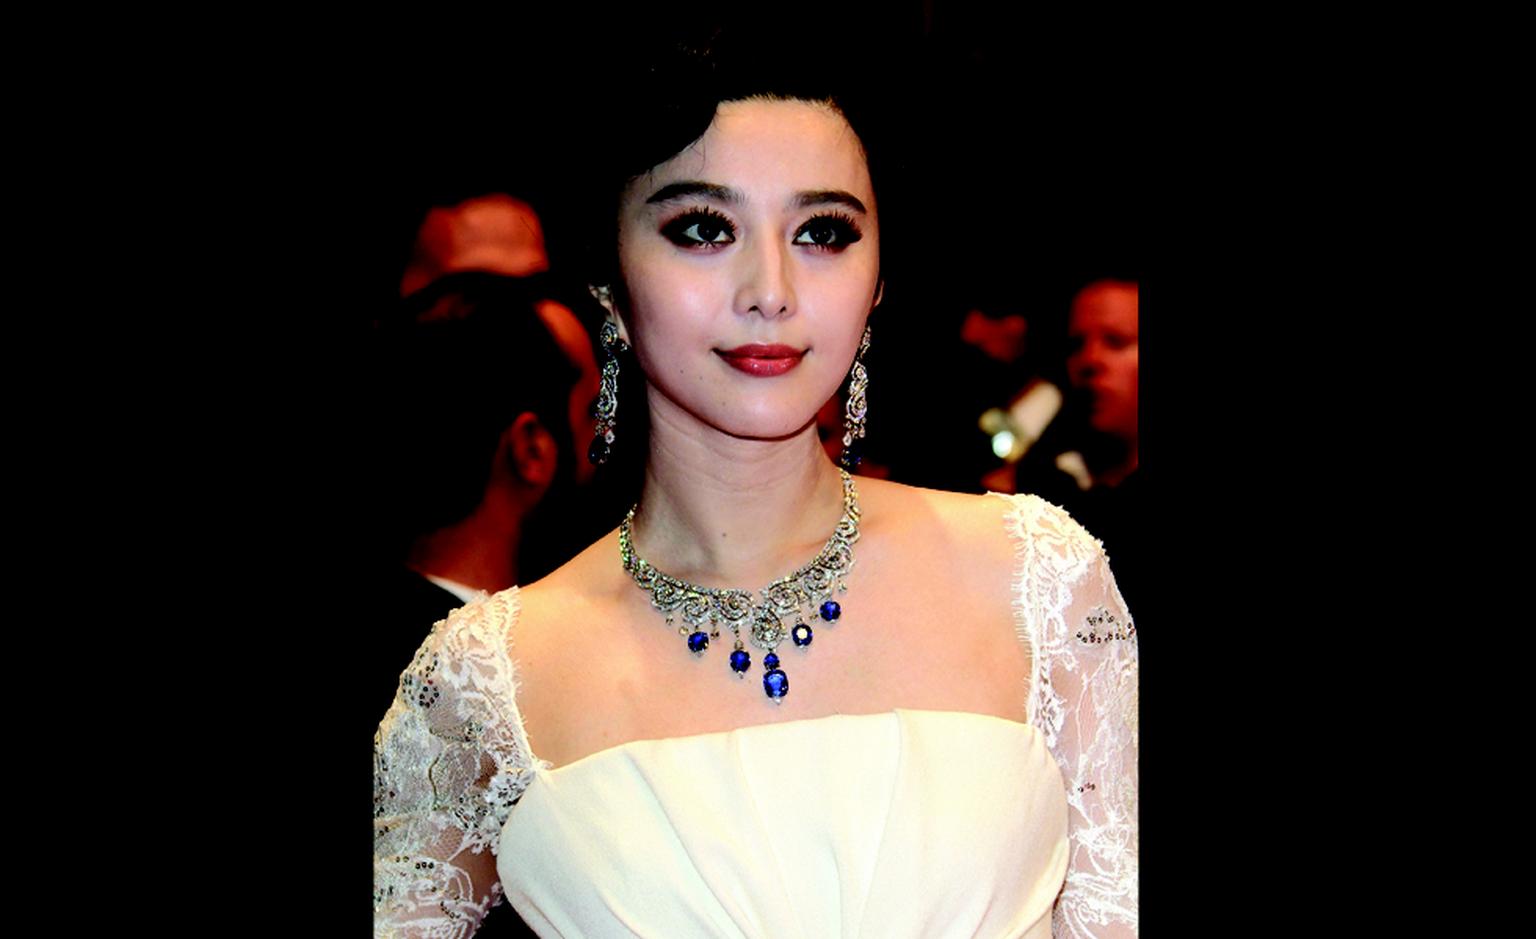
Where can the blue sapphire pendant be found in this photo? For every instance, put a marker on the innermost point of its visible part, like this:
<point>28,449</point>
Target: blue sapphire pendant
<point>752,617</point>
<point>775,683</point>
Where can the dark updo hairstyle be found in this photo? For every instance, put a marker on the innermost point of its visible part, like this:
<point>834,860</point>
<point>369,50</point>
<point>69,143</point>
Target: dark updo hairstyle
<point>666,81</point>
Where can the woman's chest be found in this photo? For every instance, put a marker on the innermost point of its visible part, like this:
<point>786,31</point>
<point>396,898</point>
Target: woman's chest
<point>908,633</point>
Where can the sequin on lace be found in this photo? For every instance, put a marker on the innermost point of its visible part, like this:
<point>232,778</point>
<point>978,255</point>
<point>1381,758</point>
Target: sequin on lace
<point>417,683</point>
<point>1102,619</point>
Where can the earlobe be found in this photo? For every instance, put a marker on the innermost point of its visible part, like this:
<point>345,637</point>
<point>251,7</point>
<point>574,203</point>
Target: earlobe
<point>603,294</point>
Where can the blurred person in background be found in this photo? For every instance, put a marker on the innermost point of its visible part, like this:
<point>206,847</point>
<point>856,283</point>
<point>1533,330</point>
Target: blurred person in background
<point>1088,459</point>
<point>1015,399</point>
<point>484,388</point>
<point>1104,368</point>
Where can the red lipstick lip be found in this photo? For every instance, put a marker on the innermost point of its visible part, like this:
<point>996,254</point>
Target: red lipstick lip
<point>762,360</point>
<point>757,350</point>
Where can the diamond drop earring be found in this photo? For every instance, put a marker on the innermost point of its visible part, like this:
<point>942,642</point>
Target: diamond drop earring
<point>857,408</point>
<point>608,395</point>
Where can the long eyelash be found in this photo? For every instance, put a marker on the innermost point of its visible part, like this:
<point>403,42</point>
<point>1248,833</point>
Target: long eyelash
<point>674,227</point>
<point>843,217</point>
<point>855,233</point>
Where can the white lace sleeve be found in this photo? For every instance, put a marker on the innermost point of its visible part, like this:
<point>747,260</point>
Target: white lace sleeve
<point>450,758</point>
<point>1083,698</point>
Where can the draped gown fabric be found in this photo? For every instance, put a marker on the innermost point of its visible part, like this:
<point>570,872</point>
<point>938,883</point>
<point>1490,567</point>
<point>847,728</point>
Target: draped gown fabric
<point>909,823</point>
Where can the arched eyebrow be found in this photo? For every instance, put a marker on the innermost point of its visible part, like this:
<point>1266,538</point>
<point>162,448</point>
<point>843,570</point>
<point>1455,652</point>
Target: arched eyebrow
<point>806,200</point>
<point>689,188</point>
<point>717,193</point>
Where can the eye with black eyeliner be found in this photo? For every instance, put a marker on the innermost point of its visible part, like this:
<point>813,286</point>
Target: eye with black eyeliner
<point>699,228</point>
<point>831,232</point>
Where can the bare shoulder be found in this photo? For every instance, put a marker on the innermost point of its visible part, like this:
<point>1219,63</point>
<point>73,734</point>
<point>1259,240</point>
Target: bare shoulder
<point>961,513</point>
<point>564,644</point>
<point>964,534</point>
<point>572,594</point>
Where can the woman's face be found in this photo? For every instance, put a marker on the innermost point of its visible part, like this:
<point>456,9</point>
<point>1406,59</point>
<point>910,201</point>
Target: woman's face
<point>751,262</point>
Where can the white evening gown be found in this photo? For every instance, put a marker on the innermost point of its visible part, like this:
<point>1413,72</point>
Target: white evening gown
<point>910,823</point>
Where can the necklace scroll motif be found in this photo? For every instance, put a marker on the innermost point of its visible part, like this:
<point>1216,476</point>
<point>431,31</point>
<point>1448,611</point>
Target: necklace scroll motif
<point>804,594</point>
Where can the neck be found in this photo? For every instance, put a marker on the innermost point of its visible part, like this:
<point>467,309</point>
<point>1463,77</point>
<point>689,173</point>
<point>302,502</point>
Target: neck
<point>479,551</point>
<point>722,511</point>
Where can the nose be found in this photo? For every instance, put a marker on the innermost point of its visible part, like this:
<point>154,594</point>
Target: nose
<point>1085,363</point>
<point>766,281</point>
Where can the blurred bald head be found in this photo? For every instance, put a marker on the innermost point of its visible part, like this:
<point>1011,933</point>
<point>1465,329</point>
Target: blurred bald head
<point>495,234</point>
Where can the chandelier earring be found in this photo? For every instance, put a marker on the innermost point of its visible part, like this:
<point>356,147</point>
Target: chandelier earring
<point>607,404</point>
<point>857,408</point>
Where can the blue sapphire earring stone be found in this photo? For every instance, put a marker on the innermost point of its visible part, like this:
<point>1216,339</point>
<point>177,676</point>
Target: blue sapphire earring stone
<point>698,642</point>
<point>740,660</point>
<point>850,457</point>
<point>801,634</point>
<point>775,684</point>
<point>597,453</point>
<point>831,611</point>
<point>771,660</point>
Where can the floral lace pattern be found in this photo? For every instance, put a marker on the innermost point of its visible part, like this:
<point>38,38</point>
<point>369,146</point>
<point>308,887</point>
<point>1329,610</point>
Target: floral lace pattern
<point>1083,698</point>
<point>451,756</point>
<point>450,759</point>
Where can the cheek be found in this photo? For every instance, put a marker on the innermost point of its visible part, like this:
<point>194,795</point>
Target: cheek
<point>665,319</point>
<point>838,296</point>
<point>668,295</point>
<point>1129,367</point>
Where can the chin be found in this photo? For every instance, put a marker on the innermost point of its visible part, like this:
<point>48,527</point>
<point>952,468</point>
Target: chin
<point>766,430</point>
<point>775,423</point>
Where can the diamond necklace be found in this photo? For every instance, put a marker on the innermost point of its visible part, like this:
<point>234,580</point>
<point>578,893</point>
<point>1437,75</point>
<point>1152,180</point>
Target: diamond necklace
<point>705,609</point>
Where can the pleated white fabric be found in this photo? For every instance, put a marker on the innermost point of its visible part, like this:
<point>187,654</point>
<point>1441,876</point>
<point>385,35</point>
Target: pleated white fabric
<point>909,823</point>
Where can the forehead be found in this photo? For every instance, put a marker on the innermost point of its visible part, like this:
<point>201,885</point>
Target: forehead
<point>1106,306</point>
<point>769,150</point>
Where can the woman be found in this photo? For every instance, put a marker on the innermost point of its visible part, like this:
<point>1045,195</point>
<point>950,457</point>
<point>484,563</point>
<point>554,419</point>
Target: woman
<point>936,740</point>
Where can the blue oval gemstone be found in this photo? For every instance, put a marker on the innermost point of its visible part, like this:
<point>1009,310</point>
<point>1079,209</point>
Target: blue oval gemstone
<point>776,684</point>
<point>771,660</point>
<point>698,642</point>
<point>831,611</point>
<point>597,453</point>
<point>740,660</point>
<point>801,634</point>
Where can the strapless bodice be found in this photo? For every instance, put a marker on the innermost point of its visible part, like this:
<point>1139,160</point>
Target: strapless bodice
<point>907,823</point>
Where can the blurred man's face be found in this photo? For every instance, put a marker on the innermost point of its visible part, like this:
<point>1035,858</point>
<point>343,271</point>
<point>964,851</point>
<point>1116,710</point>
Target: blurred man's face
<point>1105,360</point>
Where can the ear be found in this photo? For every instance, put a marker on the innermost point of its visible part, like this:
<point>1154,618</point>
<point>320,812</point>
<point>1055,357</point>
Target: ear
<point>879,292</point>
<point>603,294</point>
<point>530,450</point>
